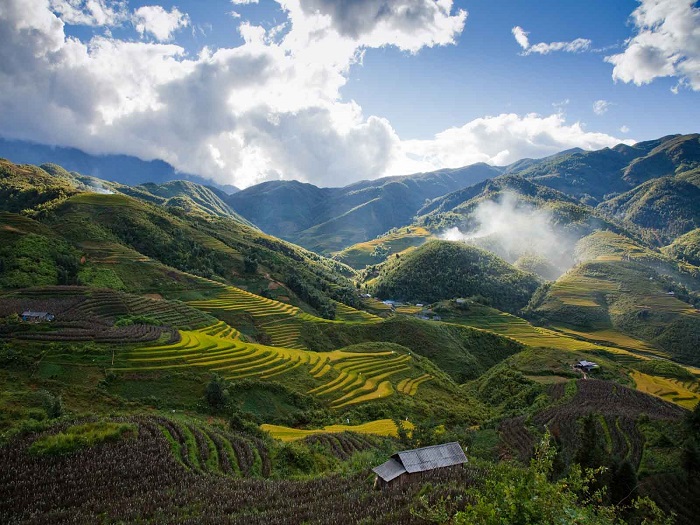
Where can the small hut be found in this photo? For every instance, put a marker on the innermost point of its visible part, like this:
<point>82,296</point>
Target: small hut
<point>36,317</point>
<point>411,464</point>
<point>586,366</point>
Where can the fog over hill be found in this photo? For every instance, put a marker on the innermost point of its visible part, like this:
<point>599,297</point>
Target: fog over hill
<point>513,228</point>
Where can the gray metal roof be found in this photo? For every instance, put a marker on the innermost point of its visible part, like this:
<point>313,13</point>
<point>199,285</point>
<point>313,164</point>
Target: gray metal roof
<point>29,313</point>
<point>428,458</point>
<point>421,459</point>
<point>389,470</point>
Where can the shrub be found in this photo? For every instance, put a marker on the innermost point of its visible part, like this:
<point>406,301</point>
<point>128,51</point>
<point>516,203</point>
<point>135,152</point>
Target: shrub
<point>81,436</point>
<point>53,405</point>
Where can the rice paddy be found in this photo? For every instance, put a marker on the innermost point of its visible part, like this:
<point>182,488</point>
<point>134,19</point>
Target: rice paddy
<point>375,251</point>
<point>381,427</point>
<point>683,393</point>
<point>517,328</point>
<point>280,321</point>
<point>111,253</point>
<point>346,378</point>
<point>410,386</point>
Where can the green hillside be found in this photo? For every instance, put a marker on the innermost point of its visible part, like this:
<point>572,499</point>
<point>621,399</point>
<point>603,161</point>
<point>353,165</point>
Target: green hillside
<point>665,208</point>
<point>673,155</point>
<point>527,224</point>
<point>442,270</point>
<point>24,187</point>
<point>626,296</point>
<point>376,251</point>
<point>207,200</point>
<point>686,248</point>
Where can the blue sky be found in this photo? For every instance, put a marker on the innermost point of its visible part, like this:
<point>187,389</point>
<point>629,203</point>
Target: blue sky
<point>331,92</point>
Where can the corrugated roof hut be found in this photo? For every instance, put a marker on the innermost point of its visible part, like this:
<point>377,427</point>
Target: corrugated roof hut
<point>410,464</point>
<point>36,317</point>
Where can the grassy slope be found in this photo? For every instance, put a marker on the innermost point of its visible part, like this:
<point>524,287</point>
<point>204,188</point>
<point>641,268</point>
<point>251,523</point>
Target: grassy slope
<point>206,246</point>
<point>376,251</point>
<point>26,187</point>
<point>206,199</point>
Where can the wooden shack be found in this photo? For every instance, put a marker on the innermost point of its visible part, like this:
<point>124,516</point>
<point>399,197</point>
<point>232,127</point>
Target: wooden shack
<point>36,317</point>
<point>408,465</point>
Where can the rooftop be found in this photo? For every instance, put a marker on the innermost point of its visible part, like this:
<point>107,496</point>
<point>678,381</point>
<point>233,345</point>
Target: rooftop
<point>421,459</point>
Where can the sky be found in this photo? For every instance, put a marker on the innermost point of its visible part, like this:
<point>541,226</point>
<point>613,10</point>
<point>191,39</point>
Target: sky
<point>334,91</point>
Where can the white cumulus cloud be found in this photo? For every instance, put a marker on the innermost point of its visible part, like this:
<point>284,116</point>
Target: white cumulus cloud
<point>666,44</point>
<point>407,24</point>
<point>503,139</point>
<point>575,46</point>
<point>155,20</point>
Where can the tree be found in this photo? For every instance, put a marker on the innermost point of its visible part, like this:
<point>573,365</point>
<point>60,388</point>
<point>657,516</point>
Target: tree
<point>250,264</point>
<point>215,393</point>
<point>690,457</point>
<point>623,485</point>
<point>692,421</point>
<point>592,453</point>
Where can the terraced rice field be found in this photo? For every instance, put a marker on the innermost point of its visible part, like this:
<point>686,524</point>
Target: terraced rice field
<point>345,313</point>
<point>342,445</point>
<point>279,320</point>
<point>408,309</point>
<point>111,253</point>
<point>516,328</point>
<point>113,304</point>
<point>409,386</point>
<point>683,393</point>
<point>363,254</point>
<point>611,336</point>
<point>581,291</point>
<point>361,377</point>
<point>346,378</point>
<point>15,223</point>
<point>380,427</point>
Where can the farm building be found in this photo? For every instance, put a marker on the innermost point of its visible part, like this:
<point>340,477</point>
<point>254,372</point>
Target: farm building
<point>411,464</point>
<point>36,317</point>
<point>586,366</point>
